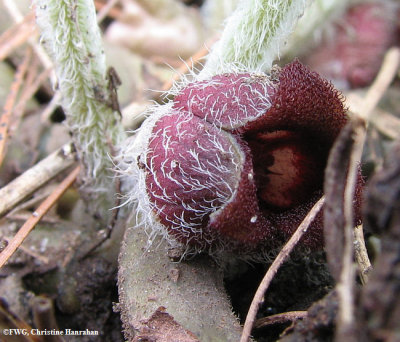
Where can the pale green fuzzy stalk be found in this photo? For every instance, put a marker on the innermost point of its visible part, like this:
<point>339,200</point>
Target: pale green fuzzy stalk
<point>71,36</point>
<point>253,36</point>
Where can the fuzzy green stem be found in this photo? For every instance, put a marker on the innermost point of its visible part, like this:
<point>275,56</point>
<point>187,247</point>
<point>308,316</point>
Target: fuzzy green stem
<point>254,36</point>
<point>72,38</point>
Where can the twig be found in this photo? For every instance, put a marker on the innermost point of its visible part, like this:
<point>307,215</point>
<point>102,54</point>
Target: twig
<point>22,216</point>
<point>345,287</point>
<point>16,35</point>
<point>28,92</point>
<point>29,252</point>
<point>185,67</point>
<point>13,10</point>
<point>280,318</point>
<point>15,13</point>
<point>11,99</point>
<point>386,123</point>
<point>279,260</point>
<point>387,73</point>
<point>37,215</point>
<point>30,203</point>
<point>32,179</point>
<point>105,9</point>
<point>45,319</point>
<point>11,320</point>
<point>361,254</point>
<point>114,12</point>
<point>24,95</point>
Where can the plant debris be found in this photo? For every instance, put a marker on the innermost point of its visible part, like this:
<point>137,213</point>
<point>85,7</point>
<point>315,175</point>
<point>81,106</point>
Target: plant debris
<point>63,271</point>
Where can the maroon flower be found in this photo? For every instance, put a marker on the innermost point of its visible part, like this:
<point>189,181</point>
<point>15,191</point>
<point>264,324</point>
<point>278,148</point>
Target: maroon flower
<point>238,160</point>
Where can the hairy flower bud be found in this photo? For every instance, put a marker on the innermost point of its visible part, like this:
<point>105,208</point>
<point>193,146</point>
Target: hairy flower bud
<point>236,161</point>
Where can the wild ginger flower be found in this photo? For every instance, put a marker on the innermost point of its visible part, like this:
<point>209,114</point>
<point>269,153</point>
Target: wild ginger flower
<point>235,162</point>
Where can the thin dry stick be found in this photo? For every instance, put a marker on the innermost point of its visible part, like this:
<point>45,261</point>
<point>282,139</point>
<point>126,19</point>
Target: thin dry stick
<point>28,92</point>
<point>386,123</point>
<point>361,254</point>
<point>16,35</point>
<point>17,16</point>
<point>30,203</point>
<point>279,260</point>
<point>13,10</point>
<point>106,9</point>
<point>22,216</point>
<point>32,179</point>
<point>112,12</point>
<point>13,321</point>
<point>24,95</point>
<point>37,215</point>
<point>45,319</point>
<point>11,99</point>
<point>387,73</point>
<point>280,318</point>
<point>186,66</point>
<point>41,258</point>
<point>345,287</point>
